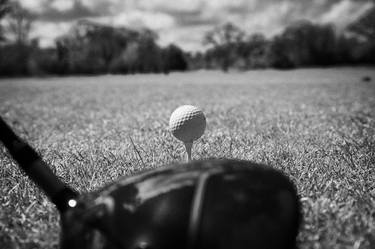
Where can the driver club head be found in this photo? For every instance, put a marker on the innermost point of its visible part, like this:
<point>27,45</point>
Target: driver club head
<point>201,204</point>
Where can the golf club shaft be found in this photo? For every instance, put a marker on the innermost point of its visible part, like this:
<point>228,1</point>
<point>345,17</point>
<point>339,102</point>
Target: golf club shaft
<point>30,162</point>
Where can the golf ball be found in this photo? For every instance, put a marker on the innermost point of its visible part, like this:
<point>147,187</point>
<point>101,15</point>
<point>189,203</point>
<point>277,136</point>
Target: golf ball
<point>187,123</point>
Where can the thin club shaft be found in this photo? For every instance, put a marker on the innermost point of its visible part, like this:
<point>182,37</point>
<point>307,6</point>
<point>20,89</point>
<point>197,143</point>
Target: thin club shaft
<point>33,165</point>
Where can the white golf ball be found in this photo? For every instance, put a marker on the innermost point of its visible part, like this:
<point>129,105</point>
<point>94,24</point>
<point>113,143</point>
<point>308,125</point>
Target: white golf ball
<point>187,123</point>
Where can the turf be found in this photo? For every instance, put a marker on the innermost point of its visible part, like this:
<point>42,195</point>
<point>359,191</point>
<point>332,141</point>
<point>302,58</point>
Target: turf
<point>316,125</point>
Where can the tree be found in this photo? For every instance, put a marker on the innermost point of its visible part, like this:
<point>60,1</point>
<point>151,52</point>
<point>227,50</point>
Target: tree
<point>365,28</point>
<point>254,51</point>
<point>304,44</point>
<point>4,10</point>
<point>280,55</point>
<point>91,48</point>
<point>108,42</point>
<point>19,23</point>
<point>141,55</point>
<point>15,58</point>
<point>224,40</point>
<point>224,35</point>
<point>174,59</point>
<point>149,52</point>
<point>365,25</point>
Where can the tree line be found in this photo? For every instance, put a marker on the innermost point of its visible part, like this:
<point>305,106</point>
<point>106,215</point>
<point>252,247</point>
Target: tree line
<point>92,48</point>
<point>302,44</point>
<point>88,48</point>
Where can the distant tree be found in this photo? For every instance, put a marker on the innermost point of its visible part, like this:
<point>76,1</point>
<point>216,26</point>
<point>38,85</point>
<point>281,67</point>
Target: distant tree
<point>95,48</point>
<point>91,48</point>
<point>365,28</point>
<point>15,58</point>
<point>195,60</point>
<point>19,23</point>
<point>224,35</point>
<point>280,55</point>
<point>255,51</point>
<point>141,55</point>
<point>108,42</point>
<point>304,44</point>
<point>224,40</point>
<point>129,61</point>
<point>4,10</point>
<point>365,25</point>
<point>73,51</point>
<point>149,52</point>
<point>174,59</point>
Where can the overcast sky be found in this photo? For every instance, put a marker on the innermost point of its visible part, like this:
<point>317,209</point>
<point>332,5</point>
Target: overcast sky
<point>184,22</point>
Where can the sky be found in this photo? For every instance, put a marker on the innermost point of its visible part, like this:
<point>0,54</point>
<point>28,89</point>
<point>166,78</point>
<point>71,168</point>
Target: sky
<point>184,22</point>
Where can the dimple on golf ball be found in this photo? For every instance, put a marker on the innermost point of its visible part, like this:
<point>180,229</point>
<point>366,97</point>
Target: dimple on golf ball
<point>187,123</point>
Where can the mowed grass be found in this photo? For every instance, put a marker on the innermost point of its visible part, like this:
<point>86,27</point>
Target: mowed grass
<point>317,126</point>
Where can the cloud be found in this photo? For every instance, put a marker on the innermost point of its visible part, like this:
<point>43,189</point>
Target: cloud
<point>108,7</point>
<point>163,5</point>
<point>46,32</point>
<point>185,21</point>
<point>266,21</point>
<point>345,12</point>
<point>138,19</point>
<point>35,6</point>
<point>59,10</point>
<point>189,38</point>
<point>62,5</point>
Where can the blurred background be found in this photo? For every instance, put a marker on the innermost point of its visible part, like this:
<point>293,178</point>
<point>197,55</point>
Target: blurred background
<point>65,37</point>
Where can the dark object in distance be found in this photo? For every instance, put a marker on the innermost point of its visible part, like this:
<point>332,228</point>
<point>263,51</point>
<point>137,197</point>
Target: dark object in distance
<point>203,204</point>
<point>366,78</point>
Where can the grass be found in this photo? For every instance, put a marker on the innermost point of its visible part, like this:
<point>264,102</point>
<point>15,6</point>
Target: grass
<point>315,125</point>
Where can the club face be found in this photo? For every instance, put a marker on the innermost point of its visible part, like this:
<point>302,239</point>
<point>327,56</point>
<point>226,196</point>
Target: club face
<point>241,205</point>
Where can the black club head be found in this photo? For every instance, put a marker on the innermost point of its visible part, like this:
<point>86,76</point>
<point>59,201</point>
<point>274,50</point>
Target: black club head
<point>202,204</point>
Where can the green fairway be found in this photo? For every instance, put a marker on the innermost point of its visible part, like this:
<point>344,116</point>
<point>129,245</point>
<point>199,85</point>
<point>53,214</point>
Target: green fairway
<point>317,126</point>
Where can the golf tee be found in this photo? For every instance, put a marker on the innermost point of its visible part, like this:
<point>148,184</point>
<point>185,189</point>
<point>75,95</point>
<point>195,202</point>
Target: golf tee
<point>188,146</point>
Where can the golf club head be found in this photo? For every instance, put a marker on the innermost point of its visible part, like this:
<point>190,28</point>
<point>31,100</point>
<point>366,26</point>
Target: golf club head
<point>202,204</point>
